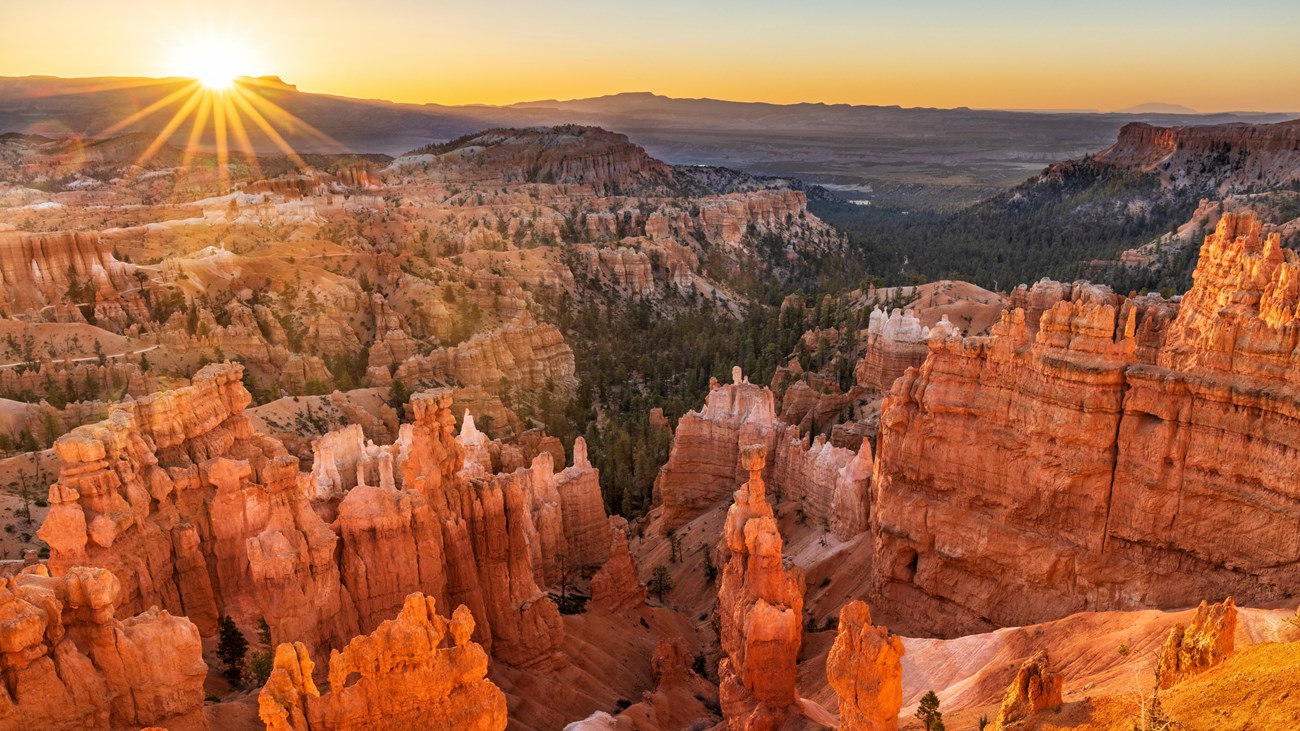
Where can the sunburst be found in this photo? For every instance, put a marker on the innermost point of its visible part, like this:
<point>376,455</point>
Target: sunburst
<point>215,90</point>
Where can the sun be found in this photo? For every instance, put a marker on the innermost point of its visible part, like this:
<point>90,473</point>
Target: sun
<point>213,61</point>
<point>222,98</point>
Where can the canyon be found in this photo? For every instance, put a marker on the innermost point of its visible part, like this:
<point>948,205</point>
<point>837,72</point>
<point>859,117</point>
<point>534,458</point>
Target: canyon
<point>399,420</point>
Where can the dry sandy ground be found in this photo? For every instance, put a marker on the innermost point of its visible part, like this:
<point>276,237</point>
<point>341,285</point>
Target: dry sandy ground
<point>75,341</point>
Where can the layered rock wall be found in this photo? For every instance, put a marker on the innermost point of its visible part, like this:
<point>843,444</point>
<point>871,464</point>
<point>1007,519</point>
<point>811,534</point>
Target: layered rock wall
<point>196,513</point>
<point>69,664</point>
<point>1024,464</point>
<point>521,354</point>
<point>830,483</point>
<point>38,273</point>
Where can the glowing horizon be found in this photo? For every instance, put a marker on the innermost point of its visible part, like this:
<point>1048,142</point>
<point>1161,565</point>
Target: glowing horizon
<point>1014,54</point>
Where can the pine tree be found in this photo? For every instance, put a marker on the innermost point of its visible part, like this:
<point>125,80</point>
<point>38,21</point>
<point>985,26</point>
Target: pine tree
<point>661,582</point>
<point>928,711</point>
<point>231,648</point>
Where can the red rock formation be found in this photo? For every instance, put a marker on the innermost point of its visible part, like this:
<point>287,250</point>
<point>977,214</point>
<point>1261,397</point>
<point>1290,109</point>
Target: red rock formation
<point>615,587</point>
<point>895,342</point>
<point>865,669</point>
<point>178,495</point>
<point>582,508</point>
<point>520,354</point>
<point>408,679</point>
<point>1036,687</point>
<point>1199,646</point>
<point>760,604</point>
<point>703,465</point>
<point>1137,485</point>
<point>392,546</point>
<point>34,274</point>
<point>68,664</point>
<point>1268,151</point>
<point>832,484</point>
<point>194,512</point>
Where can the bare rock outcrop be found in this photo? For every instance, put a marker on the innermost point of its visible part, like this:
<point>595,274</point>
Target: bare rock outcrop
<point>703,466</point>
<point>760,605</point>
<point>522,353</point>
<point>69,664</point>
<point>1036,687</point>
<point>196,513</point>
<point>895,342</point>
<point>831,483</point>
<point>582,508</point>
<point>1194,648</point>
<point>1140,483</point>
<point>408,678</point>
<point>865,669</point>
<point>39,272</point>
<point>615,586</point>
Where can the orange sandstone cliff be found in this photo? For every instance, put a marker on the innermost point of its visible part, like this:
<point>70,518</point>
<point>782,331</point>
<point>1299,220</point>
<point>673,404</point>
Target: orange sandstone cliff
<point>1061,456</point>
<point>408,677</point>
<point>68,663</point>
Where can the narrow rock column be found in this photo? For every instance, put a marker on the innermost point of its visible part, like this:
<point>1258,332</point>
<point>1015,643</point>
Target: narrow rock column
<point>760,603</point>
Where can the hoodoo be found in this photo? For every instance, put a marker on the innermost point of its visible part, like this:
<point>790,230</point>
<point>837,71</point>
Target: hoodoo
<point>865,668</point>
<point>760,605</point>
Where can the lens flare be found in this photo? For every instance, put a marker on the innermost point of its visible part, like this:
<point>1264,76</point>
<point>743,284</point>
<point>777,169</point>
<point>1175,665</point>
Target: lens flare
<point>219,92</point>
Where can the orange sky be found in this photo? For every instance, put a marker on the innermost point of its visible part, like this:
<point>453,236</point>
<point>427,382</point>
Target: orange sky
<point>1044,55</point>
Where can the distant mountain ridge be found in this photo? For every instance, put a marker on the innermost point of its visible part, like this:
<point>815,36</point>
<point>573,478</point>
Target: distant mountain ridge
<point>1157,108</point>
<point>887,154</point>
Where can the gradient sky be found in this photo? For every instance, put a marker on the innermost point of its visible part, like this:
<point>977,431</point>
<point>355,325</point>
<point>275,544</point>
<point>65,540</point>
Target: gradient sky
<point>1046,54</point>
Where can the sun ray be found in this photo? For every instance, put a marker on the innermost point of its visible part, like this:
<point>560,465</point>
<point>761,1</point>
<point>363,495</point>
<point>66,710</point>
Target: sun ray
<point>196,133</point>
<point>223,152</point>
<point>217,97</point>
<point>167,131</point>
<point>153,108</point>
<point>241,136</point>
<point>274,110</point>
<point>238,96</point>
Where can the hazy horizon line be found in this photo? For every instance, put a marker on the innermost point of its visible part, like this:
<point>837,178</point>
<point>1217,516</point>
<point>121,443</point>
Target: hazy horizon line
<point>641,92</point>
